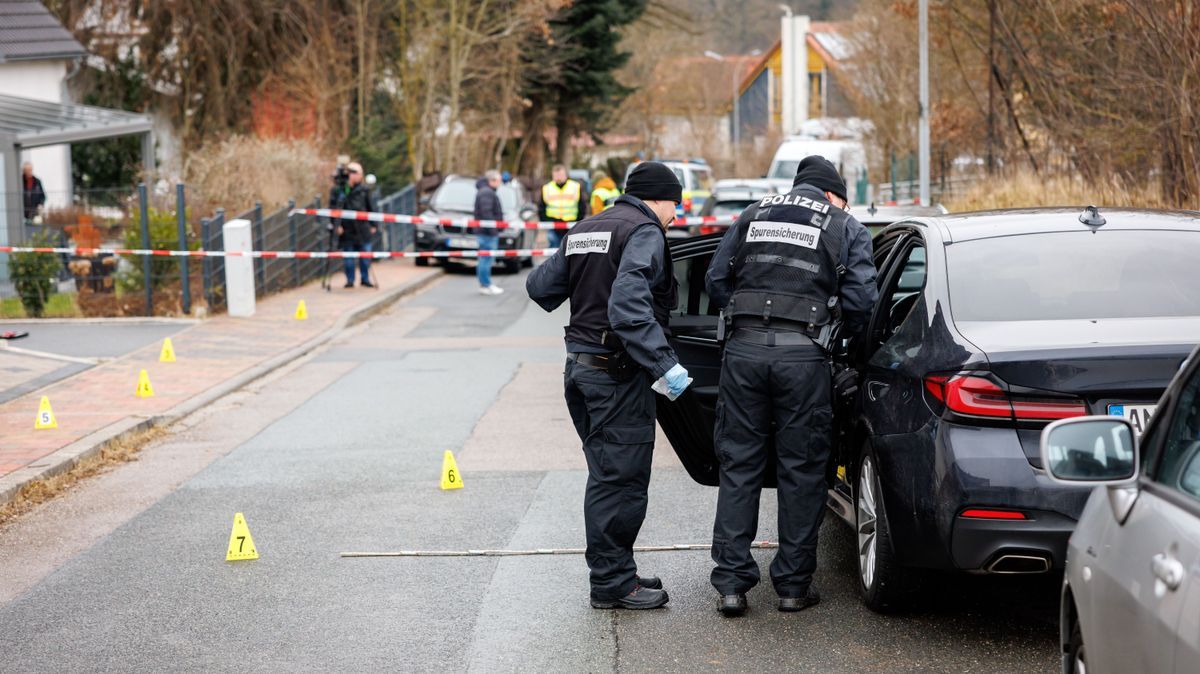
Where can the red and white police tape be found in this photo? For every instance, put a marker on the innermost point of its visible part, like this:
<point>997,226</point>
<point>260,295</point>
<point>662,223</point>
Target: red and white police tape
<point>284,254</point>
<point>692,221</point>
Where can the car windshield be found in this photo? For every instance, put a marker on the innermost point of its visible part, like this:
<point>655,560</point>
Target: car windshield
<point>784,168</point>
<point>1075,275</point>
<point>459,195</point>
<point>731,207</point>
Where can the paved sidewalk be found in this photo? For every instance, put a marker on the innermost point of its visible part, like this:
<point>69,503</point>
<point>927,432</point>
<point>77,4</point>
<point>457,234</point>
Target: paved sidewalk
<point>214,357</point>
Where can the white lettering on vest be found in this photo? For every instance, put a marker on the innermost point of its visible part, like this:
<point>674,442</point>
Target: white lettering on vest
<point>594,242</point>
<point>794,200</point>
<point>764,231</point>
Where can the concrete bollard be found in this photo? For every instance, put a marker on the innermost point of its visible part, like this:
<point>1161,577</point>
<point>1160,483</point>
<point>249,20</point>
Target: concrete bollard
<point>239,271</point>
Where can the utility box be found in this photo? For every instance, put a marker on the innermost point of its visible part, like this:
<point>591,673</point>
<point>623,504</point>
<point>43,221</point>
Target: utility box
<point>239,270</point>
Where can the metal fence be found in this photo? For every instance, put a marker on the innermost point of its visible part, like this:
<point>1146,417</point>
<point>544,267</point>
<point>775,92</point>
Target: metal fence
<point>159,219</point>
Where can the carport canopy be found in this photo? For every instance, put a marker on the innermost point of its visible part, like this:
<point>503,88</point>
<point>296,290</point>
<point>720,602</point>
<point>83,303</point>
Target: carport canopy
<point>27,123</point>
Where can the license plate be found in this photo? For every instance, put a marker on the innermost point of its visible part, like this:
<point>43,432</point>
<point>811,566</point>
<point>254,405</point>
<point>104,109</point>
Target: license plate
<point>1138,415</point>
<point>463,242</point>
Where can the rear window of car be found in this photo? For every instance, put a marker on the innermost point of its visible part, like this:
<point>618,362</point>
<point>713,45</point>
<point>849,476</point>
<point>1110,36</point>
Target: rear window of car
<point>1075,275</point>
<point>733,207</point>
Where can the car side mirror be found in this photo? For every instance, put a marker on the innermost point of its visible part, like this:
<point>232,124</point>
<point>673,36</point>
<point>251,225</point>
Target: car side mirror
<point>1099,450</point>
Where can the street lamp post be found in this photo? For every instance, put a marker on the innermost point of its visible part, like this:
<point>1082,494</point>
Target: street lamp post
<point>923,126</point>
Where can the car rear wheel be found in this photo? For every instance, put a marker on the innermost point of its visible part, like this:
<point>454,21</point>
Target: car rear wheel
<point>422,262</point>
<point>884,584</point>
<point>1076,653</point>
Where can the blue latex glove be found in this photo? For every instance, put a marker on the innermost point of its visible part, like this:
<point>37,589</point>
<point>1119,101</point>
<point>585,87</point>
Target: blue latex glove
<point>677,379</point>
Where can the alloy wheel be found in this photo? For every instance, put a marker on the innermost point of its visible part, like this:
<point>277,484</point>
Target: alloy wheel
<point>867,517</point>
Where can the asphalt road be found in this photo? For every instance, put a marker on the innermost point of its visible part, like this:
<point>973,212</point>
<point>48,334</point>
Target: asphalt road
<point>342,451</point>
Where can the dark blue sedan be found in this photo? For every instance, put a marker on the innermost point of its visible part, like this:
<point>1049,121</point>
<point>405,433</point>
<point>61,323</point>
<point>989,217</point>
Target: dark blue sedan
<point>989,326</point>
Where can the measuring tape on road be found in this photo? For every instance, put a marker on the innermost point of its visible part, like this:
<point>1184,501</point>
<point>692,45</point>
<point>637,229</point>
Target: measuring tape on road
<point>286,254</point>
<point>372,216</point>
<point>758,545</point>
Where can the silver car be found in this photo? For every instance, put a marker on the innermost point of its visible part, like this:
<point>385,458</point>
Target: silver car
<point>1131,594</point>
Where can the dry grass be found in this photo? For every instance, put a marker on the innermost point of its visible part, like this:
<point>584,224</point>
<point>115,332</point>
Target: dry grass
<point>237,171</point>
<point>1027,189</point>
<point>113,454</point>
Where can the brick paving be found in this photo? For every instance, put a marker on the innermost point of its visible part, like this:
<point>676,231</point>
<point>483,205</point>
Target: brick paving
<point>208,354</point>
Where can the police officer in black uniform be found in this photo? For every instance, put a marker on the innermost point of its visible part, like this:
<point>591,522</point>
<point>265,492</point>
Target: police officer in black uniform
<point>615,268</point>
<point>790,270</point>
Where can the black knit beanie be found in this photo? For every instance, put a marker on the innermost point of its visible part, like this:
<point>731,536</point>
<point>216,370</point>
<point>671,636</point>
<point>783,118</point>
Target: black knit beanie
<point>821,174</point>
<point>652,181</point>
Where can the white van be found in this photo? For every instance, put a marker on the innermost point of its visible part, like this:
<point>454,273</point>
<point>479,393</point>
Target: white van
<point>847,155</point>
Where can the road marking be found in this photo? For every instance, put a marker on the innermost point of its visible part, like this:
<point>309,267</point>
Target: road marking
<point>51,356</point>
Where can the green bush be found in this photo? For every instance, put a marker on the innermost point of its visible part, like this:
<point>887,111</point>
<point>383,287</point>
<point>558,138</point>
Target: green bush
<point>33,275</point>
<point>164,235</point>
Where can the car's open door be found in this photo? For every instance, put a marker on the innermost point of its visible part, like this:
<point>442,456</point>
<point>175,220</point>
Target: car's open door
<point>688,422</point>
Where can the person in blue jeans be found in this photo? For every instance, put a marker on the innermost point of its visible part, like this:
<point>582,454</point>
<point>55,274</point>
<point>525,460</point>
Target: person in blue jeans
<point>355,235</point>
<point>487,207</point>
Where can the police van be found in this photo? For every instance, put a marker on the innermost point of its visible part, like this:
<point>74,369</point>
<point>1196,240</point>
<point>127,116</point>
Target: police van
<point>695,176</point>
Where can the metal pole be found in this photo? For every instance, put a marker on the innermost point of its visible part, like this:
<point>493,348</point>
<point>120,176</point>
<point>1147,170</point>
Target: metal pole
<point>146,280</point>
<point>737,117</point>
<point>923,129</point>
<point>184,261</point>
<point>206,263</point>
<point>292,239</point>
<point>895,193</point>
<point>260,263</point>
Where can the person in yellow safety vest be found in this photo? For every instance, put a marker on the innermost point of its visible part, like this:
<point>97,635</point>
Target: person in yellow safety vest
<point>605,192</point>
<point>562,200</point>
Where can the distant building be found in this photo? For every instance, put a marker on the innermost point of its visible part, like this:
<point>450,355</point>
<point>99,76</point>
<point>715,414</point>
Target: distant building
<point>789,86</point>
<point>37,57</point>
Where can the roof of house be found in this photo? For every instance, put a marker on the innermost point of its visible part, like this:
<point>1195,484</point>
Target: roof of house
<point>29,32</point>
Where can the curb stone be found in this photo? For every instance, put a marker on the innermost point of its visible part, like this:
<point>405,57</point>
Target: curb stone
<point>68,457</point>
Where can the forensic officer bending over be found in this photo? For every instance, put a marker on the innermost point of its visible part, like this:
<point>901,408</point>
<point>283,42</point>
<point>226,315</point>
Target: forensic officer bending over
<point>787,273</point>
<point>615,268</point>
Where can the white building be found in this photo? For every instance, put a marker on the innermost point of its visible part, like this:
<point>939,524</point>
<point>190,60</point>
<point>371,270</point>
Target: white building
<point>37,55</point>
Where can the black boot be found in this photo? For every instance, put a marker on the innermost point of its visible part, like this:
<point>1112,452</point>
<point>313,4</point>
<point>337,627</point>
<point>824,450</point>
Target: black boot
<point>640,598</point>
<point>649,582</point>
<point>793,604</point>
<point>732,605</point>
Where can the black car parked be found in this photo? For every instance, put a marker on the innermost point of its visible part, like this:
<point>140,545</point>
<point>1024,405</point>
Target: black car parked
<point>455,198</point>
<point>989,326</point>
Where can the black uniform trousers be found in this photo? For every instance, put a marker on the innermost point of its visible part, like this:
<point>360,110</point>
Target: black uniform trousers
<point>789,386</point>
<point>615,421</point>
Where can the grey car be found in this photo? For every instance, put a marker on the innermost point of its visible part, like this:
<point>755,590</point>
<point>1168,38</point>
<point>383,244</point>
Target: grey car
<point>1131,593</point>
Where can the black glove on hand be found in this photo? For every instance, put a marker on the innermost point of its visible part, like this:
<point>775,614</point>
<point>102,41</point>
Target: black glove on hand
<point>845,383</point>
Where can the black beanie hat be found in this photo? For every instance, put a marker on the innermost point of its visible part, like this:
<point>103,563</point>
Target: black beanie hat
<point>821,174</point>
<point>652,181</point>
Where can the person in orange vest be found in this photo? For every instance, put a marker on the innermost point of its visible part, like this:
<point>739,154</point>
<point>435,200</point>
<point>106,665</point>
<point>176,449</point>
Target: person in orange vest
<point>563,200</point>
<point>604,191</point>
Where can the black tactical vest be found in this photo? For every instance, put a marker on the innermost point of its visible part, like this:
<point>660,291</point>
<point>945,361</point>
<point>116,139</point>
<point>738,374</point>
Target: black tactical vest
<point>593,250</point>
<point>787,269</point>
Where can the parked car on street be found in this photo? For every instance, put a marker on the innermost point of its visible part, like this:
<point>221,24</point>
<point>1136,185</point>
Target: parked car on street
<point>731,196</point>
<point>455,198</point>
<point>989,326</point>
<point>848,156</point>
<point>1131,593</point>
<point>696,178</point>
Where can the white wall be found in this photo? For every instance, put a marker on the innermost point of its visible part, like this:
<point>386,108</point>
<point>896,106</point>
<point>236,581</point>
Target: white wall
<point>43,81</point>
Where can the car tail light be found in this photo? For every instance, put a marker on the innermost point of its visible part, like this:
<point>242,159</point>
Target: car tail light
<point>992,514</point>
<point>687,205</point>
<point>709,229</point>
<point>977,395</point>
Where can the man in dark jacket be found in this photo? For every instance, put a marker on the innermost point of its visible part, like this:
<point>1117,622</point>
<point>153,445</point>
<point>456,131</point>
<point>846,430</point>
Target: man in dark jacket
<point>487,207</point>
<point>789,270</point>
<point>616,270</point>
<point>355,235</point>
<point>34,195</point>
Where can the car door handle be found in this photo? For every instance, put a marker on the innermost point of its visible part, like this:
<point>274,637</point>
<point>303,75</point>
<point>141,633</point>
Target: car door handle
<point>1167,569</point>
<point>876,389</point>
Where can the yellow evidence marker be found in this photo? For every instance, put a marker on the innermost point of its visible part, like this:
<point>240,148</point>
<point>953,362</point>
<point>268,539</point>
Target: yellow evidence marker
<point>241,545</point>
<point>167,355</point>
<point>302,311</point>
<point>451,478</point>
<point>45,416</point>
<point>144,389</point>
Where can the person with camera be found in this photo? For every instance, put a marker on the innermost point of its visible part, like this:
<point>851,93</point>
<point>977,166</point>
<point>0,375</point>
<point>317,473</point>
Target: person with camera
<point>349,193</point>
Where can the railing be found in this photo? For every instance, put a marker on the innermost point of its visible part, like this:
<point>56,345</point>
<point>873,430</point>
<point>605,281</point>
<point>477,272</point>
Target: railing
<point>396,236</point>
